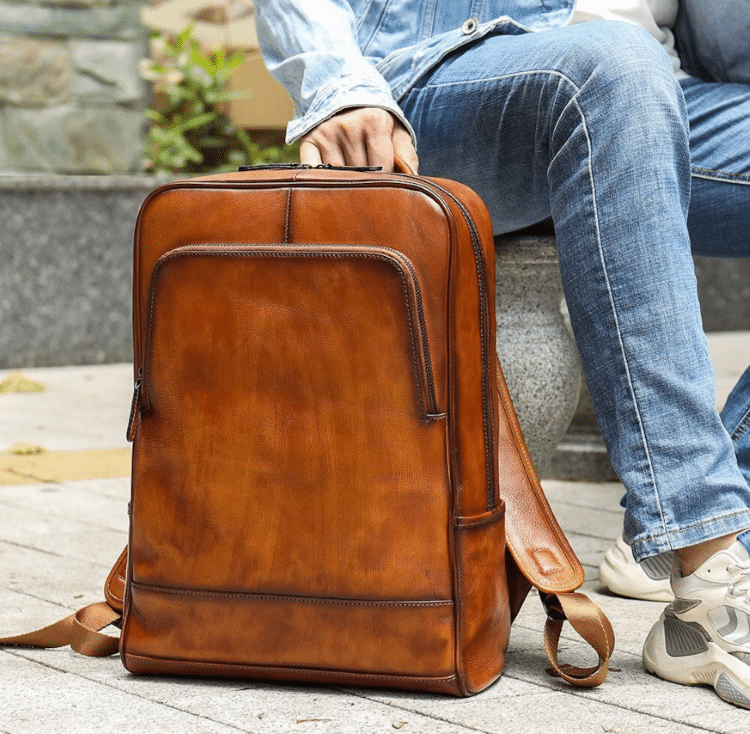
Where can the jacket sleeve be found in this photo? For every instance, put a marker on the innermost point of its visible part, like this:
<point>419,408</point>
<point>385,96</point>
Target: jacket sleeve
<point>310,47</point>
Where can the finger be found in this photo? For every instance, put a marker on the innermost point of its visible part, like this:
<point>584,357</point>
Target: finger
<point>333,155</point>
<point>364,136</point>
<point>328,148</point>
<point>379,152</point>
<point>403,148</point>
<point>355,139</point>
<point>309,153</point>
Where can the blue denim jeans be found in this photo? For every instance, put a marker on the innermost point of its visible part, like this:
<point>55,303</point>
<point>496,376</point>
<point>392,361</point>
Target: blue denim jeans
<point>587,125</point>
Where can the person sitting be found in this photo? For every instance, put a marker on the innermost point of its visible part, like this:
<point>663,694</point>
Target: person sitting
<point>581,112</point>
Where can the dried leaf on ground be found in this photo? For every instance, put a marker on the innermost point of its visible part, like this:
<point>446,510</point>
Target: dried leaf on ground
<point>16,382</point>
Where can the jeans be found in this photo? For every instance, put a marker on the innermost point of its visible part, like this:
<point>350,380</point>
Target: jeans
<point>587,125</point>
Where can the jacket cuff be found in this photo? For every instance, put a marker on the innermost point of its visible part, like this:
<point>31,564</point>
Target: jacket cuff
<point>337,97</point>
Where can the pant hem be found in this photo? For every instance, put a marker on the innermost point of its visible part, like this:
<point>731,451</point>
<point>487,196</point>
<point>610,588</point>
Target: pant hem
<point>735,522</point>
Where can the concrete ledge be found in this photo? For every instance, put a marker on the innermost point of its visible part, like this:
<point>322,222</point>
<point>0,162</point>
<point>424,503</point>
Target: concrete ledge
<point>65,284</point>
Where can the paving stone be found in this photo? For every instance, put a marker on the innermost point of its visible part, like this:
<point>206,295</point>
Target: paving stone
<point>60,418</point>
<point>66,582</point>
<point>38,698</point>
<point>601,523</point>
<point>249,706</point>
<point>72,501</point>
<point>539,710</point>
<point>596,495</point>
<point>23,611</point>
<point>40,531</point>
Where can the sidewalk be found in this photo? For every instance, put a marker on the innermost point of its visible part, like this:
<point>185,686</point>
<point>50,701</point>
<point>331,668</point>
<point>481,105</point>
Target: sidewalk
<point>58,540</point>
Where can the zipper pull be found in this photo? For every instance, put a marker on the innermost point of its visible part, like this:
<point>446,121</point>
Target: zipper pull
<point>135,407</point>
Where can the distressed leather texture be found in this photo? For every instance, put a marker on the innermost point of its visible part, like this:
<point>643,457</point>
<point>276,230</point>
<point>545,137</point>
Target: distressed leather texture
<point>326,462</point>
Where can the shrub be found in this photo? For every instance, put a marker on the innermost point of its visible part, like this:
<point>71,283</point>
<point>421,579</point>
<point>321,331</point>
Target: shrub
<point>189,130</point>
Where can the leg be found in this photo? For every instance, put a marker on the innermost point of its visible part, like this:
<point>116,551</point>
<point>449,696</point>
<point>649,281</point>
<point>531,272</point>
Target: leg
<point>587,124</point>
<point>699,637</point>
<point>720,155</point>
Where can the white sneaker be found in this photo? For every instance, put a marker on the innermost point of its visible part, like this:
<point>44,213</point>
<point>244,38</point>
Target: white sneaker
<point>703,636</point>
<point>647,580</point>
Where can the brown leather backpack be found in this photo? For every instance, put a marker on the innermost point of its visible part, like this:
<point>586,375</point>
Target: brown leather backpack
<point>327,465</point>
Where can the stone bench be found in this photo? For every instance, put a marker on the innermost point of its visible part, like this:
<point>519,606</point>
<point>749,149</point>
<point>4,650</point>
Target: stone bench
<point>539,358</point>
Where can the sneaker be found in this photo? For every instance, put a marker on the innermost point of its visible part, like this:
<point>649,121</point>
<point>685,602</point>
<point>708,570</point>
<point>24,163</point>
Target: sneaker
<point>648,580</point>
<point>703,636</point>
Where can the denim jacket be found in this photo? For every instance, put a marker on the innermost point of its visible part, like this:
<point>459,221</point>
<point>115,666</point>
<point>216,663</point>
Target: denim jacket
<point>336,54</point>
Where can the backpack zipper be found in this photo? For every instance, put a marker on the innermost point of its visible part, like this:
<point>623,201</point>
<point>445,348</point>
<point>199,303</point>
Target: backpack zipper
<point>413,302</point>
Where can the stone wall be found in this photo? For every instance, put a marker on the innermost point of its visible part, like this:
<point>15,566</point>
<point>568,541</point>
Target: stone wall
<point>71,99</point>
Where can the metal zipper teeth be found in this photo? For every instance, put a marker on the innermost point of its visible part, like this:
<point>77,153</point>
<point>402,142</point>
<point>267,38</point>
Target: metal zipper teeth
<point>483,327</point>
<point>399,256</point>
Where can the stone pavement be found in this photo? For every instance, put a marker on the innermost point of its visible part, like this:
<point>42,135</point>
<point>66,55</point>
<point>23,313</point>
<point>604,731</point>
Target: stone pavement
<point>59,538</point>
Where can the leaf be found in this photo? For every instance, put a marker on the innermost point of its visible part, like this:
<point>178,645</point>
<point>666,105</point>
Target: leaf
<point>196,57</point>
<point>159,68</point>
<point>155,116</point>
<point>198,121</point>
<point>189,130</point>
<point>182,39</point>
<point>233,62</point>
<point>16,382</point>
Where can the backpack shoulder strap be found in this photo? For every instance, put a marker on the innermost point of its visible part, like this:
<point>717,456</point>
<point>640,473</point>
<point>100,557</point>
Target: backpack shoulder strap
<point>82,629</point>
<point>543,555</point>
<point>79,630</point>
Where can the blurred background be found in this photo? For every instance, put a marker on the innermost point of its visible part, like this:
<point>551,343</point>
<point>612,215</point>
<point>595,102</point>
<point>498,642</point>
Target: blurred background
<point>100,86</point>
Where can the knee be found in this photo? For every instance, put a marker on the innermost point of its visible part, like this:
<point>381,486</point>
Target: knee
<point>617,55</point>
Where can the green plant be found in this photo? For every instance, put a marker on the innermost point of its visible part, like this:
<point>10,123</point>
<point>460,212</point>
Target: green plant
<point>189,130</point>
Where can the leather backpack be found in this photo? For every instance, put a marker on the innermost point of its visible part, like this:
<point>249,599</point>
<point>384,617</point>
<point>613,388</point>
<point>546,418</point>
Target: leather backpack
<point>329,481</point>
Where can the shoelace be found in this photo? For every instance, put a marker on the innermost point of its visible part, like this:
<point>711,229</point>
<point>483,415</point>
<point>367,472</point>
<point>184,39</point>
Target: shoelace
<point>740,585</point>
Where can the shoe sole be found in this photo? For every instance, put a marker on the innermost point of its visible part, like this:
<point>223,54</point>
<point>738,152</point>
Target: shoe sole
<point>632,582</point>
<point>727,675</point>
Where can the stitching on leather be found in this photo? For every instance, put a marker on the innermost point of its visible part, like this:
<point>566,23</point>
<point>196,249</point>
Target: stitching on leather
<point>287,216</point>
<point>291,669</point>
<point>488,414</point>
<point>251,596</point>
<point>493,517</point>
<point>182,252</point>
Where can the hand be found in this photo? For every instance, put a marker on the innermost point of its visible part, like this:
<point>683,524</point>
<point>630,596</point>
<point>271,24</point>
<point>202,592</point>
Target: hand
<point>363,136</point>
